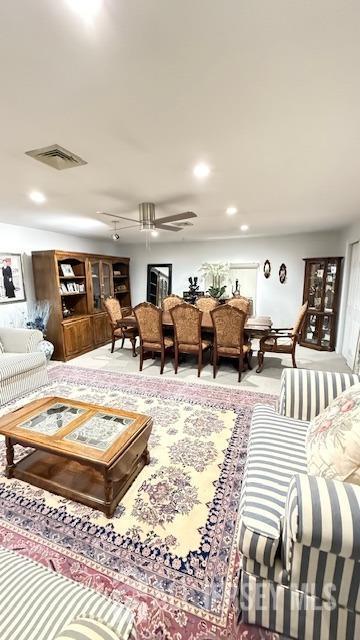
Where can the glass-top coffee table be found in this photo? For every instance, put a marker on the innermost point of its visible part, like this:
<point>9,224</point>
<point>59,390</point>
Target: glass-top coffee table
<point>87,453</point>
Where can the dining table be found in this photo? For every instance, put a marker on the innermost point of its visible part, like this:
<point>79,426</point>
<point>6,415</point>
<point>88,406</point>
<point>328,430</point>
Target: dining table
<point>255,326</point>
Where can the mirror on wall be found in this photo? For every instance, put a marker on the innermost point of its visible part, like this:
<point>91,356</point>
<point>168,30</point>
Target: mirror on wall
<point>158,282</point>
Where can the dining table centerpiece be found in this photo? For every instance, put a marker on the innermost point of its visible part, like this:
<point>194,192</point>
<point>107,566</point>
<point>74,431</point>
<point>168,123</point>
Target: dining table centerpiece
<point>214,275</point>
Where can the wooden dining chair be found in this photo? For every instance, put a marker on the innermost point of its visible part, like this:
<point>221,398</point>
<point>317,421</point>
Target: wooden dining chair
<point>229,336</point>
<point>171,301</point>
<point>282,340</point>
<point>115,313</point>
<point>241,303</point>
<point>187,331</point>
<point>206,303</point>
<point>152,340</point>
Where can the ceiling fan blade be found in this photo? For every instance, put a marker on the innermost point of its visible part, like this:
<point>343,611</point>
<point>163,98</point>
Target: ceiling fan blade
<point>113,215</point>
<point>131,226</point>
<point>178,216</point>
<point>166,227</point>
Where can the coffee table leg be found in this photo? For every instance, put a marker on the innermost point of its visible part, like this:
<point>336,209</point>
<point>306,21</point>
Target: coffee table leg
<point>9,471</point>
<point>147,456</point>
<point>108,493</point>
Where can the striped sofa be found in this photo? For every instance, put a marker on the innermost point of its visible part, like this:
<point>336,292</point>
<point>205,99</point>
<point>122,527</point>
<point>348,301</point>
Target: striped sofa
<point>299,534</point>
<point>39,604</point>
<point>22,366</point>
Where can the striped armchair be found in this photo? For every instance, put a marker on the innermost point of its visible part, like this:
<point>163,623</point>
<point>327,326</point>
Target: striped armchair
<point>299,534</point>
<point>38,603</point>
<point>22,364</point>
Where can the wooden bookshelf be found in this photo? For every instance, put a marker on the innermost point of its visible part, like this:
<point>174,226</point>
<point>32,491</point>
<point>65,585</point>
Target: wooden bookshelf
<point>78,284</point>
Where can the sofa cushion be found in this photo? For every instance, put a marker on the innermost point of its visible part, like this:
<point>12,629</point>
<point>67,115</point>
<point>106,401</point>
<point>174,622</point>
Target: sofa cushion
<point>13,364</point>
<point>87,629</point>
<point>276,451</point>
<point>333,439</point>
<point>36,603</point>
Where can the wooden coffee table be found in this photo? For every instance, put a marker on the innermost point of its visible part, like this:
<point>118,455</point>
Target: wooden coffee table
<point>84,452</point>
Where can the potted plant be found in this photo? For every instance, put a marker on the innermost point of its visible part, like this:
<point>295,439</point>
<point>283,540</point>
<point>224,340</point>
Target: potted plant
<point>217,272</point>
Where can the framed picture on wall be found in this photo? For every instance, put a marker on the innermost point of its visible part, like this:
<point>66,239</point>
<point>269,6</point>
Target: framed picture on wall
<point>11,278</point>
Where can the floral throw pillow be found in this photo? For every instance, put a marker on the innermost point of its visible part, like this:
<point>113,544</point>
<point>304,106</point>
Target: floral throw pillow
<point>333,439</point>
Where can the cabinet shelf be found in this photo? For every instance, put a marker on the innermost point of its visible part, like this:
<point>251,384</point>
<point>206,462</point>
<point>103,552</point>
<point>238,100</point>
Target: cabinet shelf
<point>73,293</point>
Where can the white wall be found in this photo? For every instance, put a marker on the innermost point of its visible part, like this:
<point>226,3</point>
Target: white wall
<point>24,240</point>
<point>280,301</point>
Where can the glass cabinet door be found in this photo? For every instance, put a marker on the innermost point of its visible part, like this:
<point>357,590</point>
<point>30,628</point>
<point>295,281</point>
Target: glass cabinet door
<point>96,285</point>
<point>316,285</point>
<point>326,330</point>
<point>107,279</point>
<point>329,294</point>
<point>311,331</point>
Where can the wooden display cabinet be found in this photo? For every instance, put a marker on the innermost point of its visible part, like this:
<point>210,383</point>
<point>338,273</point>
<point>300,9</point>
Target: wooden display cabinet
<point>76,285</point>
<point>322,292</point>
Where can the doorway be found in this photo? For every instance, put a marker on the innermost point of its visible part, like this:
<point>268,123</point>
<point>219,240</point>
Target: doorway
<point>352,313</point>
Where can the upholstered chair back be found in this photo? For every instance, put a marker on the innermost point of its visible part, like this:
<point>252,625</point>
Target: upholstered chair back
<point>206,303</point>
<point>241,303</point>
<point>171,301</point>
<point>187,323</point>
<point>113,309</point>
<point>299,322</point>
<point>229,322</point>
<point>149,320</point>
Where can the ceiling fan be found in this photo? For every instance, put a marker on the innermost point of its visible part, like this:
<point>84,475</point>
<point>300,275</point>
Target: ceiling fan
<point>147,220</point>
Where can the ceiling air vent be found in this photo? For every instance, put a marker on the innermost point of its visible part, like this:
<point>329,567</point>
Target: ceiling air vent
<point>56,157</point>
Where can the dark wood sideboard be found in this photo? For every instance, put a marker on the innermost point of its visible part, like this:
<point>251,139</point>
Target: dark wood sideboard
<point>82,292</point>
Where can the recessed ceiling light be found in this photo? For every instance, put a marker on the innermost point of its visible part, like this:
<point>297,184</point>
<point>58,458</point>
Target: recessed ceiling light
<point>86,9</point>
<point>37,196</point>
<point>154,234</point>
<point>231,211</point>
<point>244,227</point>
<point>201,170</point>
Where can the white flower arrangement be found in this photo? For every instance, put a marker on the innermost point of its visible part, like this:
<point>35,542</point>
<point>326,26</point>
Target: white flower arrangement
<point>215,274</point>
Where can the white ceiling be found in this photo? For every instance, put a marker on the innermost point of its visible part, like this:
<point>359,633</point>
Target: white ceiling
<point>267,93</point>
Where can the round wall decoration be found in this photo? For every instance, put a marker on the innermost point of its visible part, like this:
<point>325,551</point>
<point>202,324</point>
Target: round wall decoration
<point>267,268</point>
<point>282,273</point>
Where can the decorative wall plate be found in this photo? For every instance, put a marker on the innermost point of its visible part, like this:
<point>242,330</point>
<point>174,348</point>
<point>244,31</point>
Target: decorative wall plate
<point>282,273</point>
<point>267,269</point>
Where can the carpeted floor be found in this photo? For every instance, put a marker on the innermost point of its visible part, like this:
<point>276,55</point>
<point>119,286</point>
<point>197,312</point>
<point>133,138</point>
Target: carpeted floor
<point>170,551</point>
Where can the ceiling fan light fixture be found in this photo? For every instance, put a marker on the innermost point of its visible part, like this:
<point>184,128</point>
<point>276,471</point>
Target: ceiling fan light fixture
<point>147,221</point>
<point>147,226</point>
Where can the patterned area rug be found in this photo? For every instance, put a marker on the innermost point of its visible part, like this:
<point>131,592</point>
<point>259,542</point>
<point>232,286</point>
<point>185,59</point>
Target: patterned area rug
<point>170,551</point>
